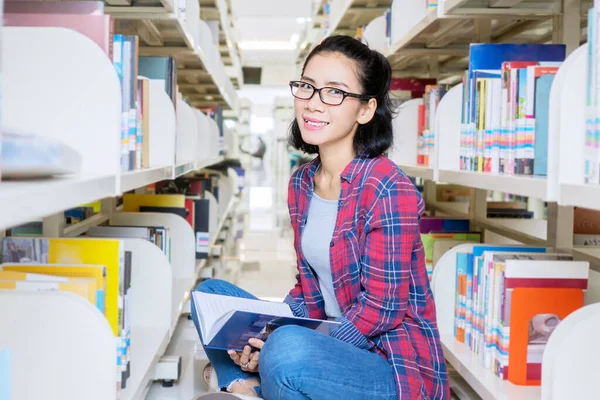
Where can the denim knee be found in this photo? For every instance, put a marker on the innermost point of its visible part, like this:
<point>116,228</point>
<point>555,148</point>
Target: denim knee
<point>284,351</point>
<point>210,286</point>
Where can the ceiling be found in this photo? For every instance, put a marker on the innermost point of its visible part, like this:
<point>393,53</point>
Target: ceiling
<point>273,21</point>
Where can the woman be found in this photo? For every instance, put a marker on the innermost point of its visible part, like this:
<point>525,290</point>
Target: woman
<point>355,217</point>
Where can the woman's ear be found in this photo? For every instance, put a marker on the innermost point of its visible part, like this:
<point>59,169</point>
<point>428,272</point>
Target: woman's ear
<point>367,111</point>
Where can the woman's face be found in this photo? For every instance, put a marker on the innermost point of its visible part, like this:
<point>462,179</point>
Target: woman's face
<point>322,124</point>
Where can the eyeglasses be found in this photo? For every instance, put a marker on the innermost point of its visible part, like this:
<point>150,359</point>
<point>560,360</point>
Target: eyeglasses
<point>329,95</point>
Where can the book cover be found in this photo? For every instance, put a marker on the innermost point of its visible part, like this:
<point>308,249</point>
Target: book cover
<point>61,7</point>
<point>228,323</point>
<point>438,224</point>
<point>133,202</point>
<point>99,28</point>
<point>543,86</point>
<point>535,313</point>
<point>96,272</point>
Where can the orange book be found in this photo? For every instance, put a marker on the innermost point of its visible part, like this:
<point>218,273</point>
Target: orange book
<point>535,312</point>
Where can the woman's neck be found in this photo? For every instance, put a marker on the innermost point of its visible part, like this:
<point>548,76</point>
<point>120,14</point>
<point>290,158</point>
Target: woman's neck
<point>334,160</point>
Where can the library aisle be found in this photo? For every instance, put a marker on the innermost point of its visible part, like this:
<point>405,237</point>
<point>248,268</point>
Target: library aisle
<point>268,271</point>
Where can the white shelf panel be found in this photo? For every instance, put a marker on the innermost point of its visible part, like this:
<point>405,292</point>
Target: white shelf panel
<point>142,353</point>
<point>183,169</point>
<point>135,179</point>
<point>23,201</point>
<point>428,19</point>
<point>417,171</point>
<point>586,196</point>
<point>530,186</point>
<point>484,382</point>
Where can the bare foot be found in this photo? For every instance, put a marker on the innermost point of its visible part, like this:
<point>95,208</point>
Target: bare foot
<point>245,387</point>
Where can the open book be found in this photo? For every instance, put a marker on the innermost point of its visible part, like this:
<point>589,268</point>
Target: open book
<point>229,322</point>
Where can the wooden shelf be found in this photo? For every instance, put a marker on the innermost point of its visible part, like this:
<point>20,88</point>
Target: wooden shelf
<point>166,34</point>
<point>24,201</point>
<point>529,186</point>
<point>446,36</point>
<point>417,171</point>
<point>352,14</point>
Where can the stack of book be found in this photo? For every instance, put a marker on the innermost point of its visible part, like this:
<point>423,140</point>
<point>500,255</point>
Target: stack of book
<point>441,234</point>
<point>98,270</point>
<point>508,302</point>
<point>506,91</point>
<point>426,134</point>
<point>592,123</point>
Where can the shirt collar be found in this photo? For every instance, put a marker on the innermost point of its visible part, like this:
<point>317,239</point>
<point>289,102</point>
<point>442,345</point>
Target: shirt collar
<point>348,174</point>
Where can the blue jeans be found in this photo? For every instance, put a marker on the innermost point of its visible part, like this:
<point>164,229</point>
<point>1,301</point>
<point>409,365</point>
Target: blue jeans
<point>299,363</point>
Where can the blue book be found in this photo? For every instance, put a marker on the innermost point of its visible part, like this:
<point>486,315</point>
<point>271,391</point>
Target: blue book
<point>228,323</point>
<point>157,68</point>
<point>542,107</point>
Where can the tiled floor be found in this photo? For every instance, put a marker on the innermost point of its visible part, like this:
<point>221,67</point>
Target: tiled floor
<point>268,272</point>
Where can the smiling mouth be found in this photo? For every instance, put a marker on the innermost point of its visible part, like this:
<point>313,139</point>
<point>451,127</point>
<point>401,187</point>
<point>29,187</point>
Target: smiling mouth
<point>318,124</point>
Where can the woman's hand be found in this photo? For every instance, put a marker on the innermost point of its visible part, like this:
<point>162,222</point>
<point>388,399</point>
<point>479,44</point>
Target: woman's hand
<point>247,360</point>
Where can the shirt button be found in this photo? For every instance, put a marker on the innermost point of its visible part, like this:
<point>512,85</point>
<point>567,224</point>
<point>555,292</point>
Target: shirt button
<point>341,203</point>
<point>331,244</point>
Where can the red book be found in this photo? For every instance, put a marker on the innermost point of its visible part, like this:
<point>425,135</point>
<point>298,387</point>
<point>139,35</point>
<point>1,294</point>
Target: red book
<point>99,28</point>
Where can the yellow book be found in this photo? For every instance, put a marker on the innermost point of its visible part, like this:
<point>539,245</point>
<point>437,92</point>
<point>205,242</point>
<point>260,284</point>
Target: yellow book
<point>80,287</point>
<point>107,252</point>
<point>133,202</point>
<point>95,272</point>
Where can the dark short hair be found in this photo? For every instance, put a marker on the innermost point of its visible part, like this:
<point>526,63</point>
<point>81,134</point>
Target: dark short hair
<point>375,75</point>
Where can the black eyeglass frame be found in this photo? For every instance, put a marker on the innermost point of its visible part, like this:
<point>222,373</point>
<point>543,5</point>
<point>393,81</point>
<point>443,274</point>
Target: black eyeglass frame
<point>315,90</point>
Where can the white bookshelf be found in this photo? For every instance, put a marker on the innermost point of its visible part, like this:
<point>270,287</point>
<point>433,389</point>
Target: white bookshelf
<point>43,94</point>
<point>470,367</point>
<point>195,50</point>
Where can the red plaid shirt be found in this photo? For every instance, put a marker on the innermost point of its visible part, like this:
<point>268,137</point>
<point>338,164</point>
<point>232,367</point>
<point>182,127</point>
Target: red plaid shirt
<point>378,268</point>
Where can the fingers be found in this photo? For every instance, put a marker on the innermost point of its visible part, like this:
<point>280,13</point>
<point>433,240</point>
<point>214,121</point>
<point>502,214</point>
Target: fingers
<point>245,356</point>
<point>253,363</point>
<point>257,343</point>
<point>235,357</point>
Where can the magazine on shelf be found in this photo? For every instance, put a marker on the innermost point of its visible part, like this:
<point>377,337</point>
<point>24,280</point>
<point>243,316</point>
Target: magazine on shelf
<point>228,323</point>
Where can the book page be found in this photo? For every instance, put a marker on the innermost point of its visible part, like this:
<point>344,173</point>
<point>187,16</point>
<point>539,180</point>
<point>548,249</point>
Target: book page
<point>211,307</point>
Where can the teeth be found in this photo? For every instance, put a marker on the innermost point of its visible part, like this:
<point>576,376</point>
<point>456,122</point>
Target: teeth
<point>316,123</point>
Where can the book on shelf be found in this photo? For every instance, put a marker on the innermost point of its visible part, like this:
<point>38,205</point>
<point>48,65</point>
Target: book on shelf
<point>509,301</point>
<point>228,323</point>
<point>51,7</point>
<point>82,287</point>
<point>110,254</point>
<point>133,201</point>
<point>504,126</point>
<point>159,235</point>
<point>592,112</point>
<point>98,28</point>
<point>163,69</point>
<point>426,134</point>
<point>95,272</point>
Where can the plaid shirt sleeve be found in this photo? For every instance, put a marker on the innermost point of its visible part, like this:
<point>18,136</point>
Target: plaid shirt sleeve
<point>391,232</point>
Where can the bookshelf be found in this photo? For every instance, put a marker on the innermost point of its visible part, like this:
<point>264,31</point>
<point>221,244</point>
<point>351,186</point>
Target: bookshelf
<point>220,11</point>
<point>186,38</point>
<point>434,42</point>
<point>345,16</point>
<point>483,381</point>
